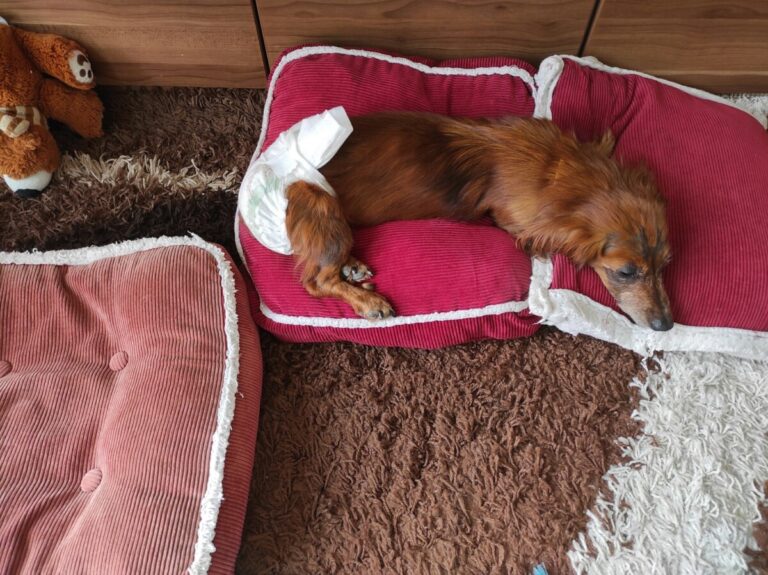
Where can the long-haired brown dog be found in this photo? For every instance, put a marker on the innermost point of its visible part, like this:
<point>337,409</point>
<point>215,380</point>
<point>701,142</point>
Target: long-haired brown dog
<point>550,191</point>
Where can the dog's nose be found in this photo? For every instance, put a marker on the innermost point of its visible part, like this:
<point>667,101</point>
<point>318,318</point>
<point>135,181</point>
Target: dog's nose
<point>663,323</point>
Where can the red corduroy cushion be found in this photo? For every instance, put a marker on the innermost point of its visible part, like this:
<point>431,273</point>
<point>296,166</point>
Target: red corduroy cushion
<point>130,380</point>
<point>449,282</point>
<point>710,160</point>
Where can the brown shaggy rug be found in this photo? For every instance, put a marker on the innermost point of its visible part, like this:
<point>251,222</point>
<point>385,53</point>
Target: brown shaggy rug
<point>482,458</point>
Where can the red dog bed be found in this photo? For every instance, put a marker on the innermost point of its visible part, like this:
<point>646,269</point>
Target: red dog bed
<point>449,282</point>
<point>710,160</point>
<point>130,378</point>
<point>453,282</point>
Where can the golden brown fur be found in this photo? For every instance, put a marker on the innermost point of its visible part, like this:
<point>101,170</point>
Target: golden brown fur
<point>553,193</point>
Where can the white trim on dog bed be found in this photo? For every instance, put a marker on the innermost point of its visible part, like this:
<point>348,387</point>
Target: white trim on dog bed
<point>576,313</point>
<point>211,500</point>
<point>354,323</point>
<point>360,323</point>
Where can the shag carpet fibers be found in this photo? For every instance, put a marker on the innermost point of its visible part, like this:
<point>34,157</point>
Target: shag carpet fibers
<point>482,458</point>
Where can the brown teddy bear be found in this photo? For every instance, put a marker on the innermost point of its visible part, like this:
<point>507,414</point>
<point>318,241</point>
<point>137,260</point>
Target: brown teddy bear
<point>41,76</point>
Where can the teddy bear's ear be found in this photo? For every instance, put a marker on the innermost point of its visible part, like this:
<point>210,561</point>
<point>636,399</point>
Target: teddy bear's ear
<point>57,56</point>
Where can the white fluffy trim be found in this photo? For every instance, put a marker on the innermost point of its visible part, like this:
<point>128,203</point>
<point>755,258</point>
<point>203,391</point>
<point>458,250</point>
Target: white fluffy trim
<point>211,501</point>
<point>360,323</point>
<point>687,498</point>
<point>575,313</point>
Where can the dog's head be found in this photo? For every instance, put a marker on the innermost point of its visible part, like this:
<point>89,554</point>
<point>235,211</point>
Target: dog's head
<point>628,225</point>
<point>613,219</point>
<point>633,254</point>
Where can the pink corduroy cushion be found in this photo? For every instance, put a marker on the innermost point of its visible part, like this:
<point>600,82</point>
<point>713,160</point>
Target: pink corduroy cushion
<point>711,164</point>
<point>121,371</point>
<point>449,282</point>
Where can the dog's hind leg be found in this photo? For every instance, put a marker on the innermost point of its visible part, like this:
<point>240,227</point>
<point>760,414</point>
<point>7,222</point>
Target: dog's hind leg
<point>322,240</point>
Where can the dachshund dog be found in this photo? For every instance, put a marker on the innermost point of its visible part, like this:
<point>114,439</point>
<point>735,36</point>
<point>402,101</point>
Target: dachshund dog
<point>550,191</point>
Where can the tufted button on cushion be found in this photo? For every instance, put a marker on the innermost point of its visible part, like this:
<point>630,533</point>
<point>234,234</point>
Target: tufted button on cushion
<point>91,480</point>
<point>118,361</point>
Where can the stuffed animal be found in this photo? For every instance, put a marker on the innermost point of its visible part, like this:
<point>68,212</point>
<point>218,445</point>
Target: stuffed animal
<point>41,76</point>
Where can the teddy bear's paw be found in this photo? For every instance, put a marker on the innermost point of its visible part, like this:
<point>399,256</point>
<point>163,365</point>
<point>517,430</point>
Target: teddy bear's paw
<point>81,67</point>
<point>31,186</point>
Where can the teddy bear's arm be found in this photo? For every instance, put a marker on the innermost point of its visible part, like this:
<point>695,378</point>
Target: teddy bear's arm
<point>59,57</point>
<point>81,111</point>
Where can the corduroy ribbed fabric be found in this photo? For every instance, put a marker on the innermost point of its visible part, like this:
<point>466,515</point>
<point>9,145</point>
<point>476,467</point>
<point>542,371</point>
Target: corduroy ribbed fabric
<point>109,402</point>
<point>711,164</point>
<point>449,282</point>
<point>413,270</point>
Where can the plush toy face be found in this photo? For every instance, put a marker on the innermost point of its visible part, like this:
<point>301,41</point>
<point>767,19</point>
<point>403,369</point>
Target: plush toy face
<point>41,76</point>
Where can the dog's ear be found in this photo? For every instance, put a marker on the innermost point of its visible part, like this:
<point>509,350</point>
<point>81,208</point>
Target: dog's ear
<point>569,234</point>
<point>606,143</point>
<point>642,182</point>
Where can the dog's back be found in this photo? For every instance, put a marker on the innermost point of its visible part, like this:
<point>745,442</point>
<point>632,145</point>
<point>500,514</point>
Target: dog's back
<point>398,166</point>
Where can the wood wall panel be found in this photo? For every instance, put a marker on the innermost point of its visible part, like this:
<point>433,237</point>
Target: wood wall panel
<point>155,42</point>
<point>717,45</point>
<point>529,29</point>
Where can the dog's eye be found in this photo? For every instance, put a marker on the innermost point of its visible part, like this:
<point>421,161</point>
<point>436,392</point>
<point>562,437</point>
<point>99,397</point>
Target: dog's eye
<point>627,272</point>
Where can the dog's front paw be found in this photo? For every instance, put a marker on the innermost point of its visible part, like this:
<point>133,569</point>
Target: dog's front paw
<point>355,271</point>
<point>374,307</point>
<point>80,66</point>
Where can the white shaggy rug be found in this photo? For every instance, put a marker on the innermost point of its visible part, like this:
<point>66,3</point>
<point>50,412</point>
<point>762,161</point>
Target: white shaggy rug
<point>687,498</point>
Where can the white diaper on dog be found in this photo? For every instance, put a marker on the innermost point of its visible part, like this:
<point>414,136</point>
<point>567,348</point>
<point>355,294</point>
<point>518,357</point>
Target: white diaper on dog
<point>296,155</point>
